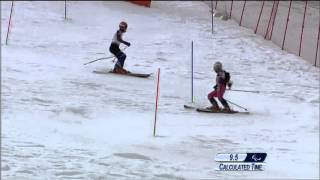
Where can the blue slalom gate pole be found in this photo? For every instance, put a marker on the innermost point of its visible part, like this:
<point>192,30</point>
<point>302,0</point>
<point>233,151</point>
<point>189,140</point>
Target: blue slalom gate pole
<point>65,9</point>
<point>191,71</point>
<point>211,16</point>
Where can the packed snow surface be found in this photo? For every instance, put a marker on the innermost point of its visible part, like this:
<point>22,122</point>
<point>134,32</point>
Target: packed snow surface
<point>61,121</point>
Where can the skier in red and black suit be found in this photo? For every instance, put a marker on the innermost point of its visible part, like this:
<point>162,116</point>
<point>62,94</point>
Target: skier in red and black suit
<point>222,80</point>
<point>114,48</point>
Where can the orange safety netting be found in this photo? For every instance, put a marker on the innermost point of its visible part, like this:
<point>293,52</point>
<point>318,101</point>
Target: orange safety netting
<point>142,3</point>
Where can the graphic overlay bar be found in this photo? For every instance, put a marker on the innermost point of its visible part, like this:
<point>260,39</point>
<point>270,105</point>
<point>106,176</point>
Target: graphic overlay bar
<point>232,157</point>
<point>240,161</point>
<point>240,167</point>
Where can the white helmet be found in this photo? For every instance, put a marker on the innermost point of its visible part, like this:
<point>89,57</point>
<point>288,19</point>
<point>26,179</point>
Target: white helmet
<point>217,66</point>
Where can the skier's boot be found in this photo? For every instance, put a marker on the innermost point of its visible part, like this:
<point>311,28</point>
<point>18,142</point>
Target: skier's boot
<point>115,69</point>
<point>120,70</point>
<point>123,71</point>
<point>215,106</point>
<point>227,110</point>
<point>226,107</point>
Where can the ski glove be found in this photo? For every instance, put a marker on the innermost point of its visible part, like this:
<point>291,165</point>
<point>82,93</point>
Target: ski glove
<point>128,44</point>
<point>215,87</point>
<point>229,84</point>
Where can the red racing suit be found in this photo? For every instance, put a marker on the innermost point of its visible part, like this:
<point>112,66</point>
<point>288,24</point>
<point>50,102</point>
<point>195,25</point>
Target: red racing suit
<point>220,86</point>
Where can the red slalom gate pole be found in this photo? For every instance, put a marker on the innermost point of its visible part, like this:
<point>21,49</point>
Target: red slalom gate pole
<point>269,20</point>
<point>274,18</point>
<point>156,110</point>
<point>285,31</point>
<point>315,60</point>
<point>231,8</point>
<point>304,16</point>
<point>244,5</point>
<point>9,23</point>
<point>255,31</point>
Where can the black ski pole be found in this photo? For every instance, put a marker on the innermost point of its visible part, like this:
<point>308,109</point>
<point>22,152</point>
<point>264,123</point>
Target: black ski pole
<point>98,60</point>
<point>104,57</point>
<point>237,105</point>
<point>278,92</point>
<point>243,90</point>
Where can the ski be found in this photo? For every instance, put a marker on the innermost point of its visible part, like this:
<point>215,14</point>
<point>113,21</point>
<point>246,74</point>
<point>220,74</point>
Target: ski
<point>141,75</point>
<point>201,109</point>
<point>189,106</point>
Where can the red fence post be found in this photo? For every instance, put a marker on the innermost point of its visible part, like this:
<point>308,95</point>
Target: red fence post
<point>244,4</point>
<point>285,31</point>
<point>9,23</point>
<point>156,110</point>
<point>315,61</point>
<point>274,18</point>
<point>231,8</point>
<point>255,31</point>
<point>304,16</point>
<point>269,20</point>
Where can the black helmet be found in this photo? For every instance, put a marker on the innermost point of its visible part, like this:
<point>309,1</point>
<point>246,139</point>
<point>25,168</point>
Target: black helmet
<point>217,66</point>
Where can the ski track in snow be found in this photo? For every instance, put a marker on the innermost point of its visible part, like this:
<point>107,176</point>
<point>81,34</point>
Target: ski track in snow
<point>61,121</point>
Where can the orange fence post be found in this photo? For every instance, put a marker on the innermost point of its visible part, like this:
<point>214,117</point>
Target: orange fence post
<point>285,31</point>
<point>9,23</point>
<point>255,31</point>
<point>231,7</point>
<point>156,110</point>
<point>315,61</point>
<point>244,4</point>
<point>274,18</point>
<point>269,20</point>
<point>304,16</point>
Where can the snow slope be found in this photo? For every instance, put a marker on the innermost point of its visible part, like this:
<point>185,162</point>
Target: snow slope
<point>61,121</point>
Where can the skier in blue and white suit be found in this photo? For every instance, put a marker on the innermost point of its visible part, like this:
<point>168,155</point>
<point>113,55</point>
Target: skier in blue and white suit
<point>114,48</point>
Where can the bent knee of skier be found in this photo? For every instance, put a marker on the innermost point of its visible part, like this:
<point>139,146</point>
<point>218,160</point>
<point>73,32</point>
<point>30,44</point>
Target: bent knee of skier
<point>211,95</point>
<point>221,98</point>
<point>120,61</point>
<point>123,56</point>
